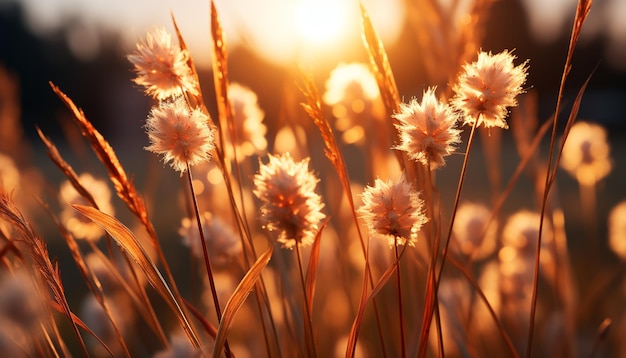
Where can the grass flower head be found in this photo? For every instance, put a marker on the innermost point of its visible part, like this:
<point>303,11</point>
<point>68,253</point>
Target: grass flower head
<point>223,244</point>
<point>470,229</point>
<point>291,207</point>
<point>586,153</point>
<point>393,211</point>
<point>181,135</point>
<point>351,90</point>
<point>77,224</point>
<point>487,87</point>
<point>427,130</point>
<point>248,118</point>
<point>162,67</point>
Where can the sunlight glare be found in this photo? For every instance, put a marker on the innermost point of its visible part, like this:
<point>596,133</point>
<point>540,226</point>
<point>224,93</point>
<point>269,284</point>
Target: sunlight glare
<point>320,21</point>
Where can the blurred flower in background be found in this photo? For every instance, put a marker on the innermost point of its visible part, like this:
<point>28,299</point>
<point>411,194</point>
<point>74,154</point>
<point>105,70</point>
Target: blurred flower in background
<point>586,153</point>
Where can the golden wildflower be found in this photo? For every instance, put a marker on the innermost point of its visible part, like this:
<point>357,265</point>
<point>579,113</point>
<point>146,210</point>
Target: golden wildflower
<point>393,211</point>
<point>586,153</point>
<point>79,225</point>
<point>350,91</point>
<point>162,67</point>
<point>181,135</point>
<point>487,87</point>
<point>290,205</point>
<point>470,229</point>
<point>427,130</point>
<point>617,230</point>
<point>222,242</point>
<point>248,119</point>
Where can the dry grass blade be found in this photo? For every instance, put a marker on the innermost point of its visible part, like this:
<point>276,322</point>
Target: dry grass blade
<point>311,272</point>
<point>313,108</point>
<point>238,298</point>
<point>365,300</point>
<point>77,321</point>
<point>220,72</point>
<point>38,251</point>
<point>195,100</point>
<point>90,279</point>
<point>208,327</point>
<point>570,122</point>
<point>124,187</point>
<point>582,11</point>
<point>379,63</point>
<point>55,156</point>
<point>127,241</point>
<point>492,313</point>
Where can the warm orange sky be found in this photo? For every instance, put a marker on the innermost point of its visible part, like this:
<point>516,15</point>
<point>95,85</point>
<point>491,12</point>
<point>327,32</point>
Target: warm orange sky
<point>287,30</point>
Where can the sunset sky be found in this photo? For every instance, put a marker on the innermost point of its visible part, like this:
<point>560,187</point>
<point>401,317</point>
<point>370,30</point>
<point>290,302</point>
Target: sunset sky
<point>281,30</point>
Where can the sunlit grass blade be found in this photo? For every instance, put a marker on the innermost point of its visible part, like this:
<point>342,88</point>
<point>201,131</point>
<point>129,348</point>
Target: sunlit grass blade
<point>90,279</point>
<point>124,187</point>
<point>365,300</point>
<point>582,11</point>
<point>208,327</point>
<point>55,156</point>
<point>38,252</point>
<point>312,106</point>
<point>311,272</point>
<point>237,299</point>
<point>379,63</point>
<point>195,100</point>
<point>128,242</point>
<point>492,313</point>
<point>568,125</point>
<point>77,321</point>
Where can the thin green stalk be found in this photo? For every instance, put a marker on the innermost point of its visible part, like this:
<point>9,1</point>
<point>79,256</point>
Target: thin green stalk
<point>310,339</point>
<point>207,260</point>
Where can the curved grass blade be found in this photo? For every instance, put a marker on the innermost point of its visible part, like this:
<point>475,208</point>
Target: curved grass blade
<point>311,272</point>
<point>127,241</point>
<point>365,299</point>
<point>238,298</point>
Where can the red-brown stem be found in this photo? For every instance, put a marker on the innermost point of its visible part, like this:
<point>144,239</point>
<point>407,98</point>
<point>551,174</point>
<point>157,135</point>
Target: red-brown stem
<point>400,313</point>
<point>310,339</point>
<point>207,260</point>
<point>428,317</point>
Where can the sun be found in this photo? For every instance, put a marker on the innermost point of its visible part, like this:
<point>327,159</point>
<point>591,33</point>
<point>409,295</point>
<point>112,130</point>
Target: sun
<point>321,21</point>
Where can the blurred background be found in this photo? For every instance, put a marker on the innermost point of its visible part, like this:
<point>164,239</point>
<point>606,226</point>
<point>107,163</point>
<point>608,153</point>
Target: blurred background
<point>81,46</point>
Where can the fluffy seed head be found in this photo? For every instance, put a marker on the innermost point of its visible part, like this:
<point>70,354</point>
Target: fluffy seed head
<point>248,119</point>
<point>162,67</point>
<point>586,153</point>
<point>470,230</point>
<point>181,135</point>
<point>351,91</point>
<point>291,208</point>
<point>427,129</point>
<point>487,87</point>
<point>393,211</point>
<point>223,244</point>
<point>80,226</point>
